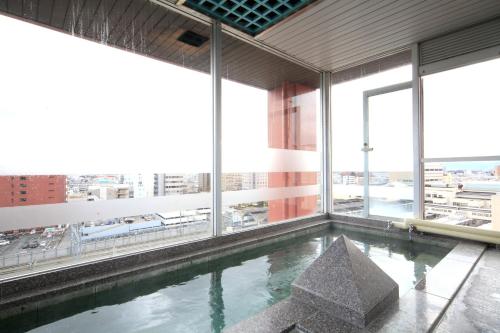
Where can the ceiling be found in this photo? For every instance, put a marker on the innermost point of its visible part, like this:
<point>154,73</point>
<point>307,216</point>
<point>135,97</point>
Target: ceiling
<point>336,34</point>
<point>248,16</point>
<point>146,28</point>
<point>327,34</point>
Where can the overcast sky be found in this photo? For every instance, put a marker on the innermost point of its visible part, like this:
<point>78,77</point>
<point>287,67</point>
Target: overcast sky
<point>72,106</point>
<point>461,117</point>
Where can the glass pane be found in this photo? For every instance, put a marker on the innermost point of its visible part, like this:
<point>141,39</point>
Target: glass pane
<point>347,137</point>
<point>462,111</point>
<point>390,164</point>
<point>103,150</point>
<point>271,142</point>
<point>463,193</point>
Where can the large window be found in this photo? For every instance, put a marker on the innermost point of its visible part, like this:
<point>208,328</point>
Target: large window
<point>271,151</point>
<point>462,155</point>
<point>106,137</point>
<point>106,144</point>
<point>390,185</point>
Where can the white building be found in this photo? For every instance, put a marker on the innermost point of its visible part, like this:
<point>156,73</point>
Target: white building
<point>168,184</point>
<point>141,185</point>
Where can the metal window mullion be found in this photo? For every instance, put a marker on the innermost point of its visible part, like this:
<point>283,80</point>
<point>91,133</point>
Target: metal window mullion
<point>215,70</point>
<point>462,159</point>
<point>366,143</point>
<point>326,171</point>
<point>418,136</point>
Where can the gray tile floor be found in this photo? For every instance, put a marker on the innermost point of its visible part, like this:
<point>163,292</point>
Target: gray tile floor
<point>476,307</point>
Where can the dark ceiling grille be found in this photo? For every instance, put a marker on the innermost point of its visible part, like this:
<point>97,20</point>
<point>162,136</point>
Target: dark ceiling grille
<point>249,16</point>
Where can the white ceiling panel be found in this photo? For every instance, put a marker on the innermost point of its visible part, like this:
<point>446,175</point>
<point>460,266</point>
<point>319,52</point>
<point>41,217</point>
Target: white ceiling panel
<point>336,34</point>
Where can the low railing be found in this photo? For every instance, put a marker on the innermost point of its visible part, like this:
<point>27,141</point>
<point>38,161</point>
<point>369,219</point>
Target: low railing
<point>118,244</point>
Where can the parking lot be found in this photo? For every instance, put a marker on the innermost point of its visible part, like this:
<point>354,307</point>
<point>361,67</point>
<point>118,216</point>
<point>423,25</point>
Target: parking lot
<point>20,246</point>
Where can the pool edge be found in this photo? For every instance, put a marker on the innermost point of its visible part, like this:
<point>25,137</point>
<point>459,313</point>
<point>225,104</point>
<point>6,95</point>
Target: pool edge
<point>42,289</point>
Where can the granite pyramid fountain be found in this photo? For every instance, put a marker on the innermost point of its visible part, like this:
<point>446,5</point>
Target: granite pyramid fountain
<point>342,290</point>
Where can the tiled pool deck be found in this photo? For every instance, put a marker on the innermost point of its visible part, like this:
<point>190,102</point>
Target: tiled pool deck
<point>419,310</point>
<point>476,307</point>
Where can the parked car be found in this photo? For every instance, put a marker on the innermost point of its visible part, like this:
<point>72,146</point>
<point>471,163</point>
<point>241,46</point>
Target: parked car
<point>11,237</point>
<point>4,242</point>
<point>43,243</point>
<point>33,244</point>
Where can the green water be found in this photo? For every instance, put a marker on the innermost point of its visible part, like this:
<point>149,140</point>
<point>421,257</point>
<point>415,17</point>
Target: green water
<point>209,297</point>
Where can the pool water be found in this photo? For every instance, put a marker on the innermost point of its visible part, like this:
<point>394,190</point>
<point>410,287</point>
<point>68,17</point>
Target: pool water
<point>209,297</point>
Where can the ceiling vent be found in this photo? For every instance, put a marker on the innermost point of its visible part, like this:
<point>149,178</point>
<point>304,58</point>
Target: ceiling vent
<point>192,38</point>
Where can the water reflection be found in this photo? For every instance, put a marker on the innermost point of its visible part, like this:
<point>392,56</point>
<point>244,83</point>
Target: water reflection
<point>216,301</point>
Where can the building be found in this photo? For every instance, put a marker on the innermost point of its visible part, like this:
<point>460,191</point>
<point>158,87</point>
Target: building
<point>433,173</point>
<point>32,190</point>
<point>253,180</point>
<point>404,177</point>
<point>231,181</point>
<point>463,197</point>
<point>453,206</point>
<point>292,125</point>
<point>108,192</point>
<point>204,182</point>
<point>141,185</point>
<point>168,184</point>
<point>350,179</point>
<point>495,212</point>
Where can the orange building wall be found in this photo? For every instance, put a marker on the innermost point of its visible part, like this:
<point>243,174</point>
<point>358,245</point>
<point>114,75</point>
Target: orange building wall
<point>32,190</point>
<point>292,125</point>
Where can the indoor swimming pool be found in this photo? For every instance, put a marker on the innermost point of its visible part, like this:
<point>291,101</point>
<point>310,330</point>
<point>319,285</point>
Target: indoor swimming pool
<point>209,297</point>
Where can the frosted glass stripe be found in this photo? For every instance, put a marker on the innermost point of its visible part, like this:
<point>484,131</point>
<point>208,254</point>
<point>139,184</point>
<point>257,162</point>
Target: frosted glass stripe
<point>25,217</point>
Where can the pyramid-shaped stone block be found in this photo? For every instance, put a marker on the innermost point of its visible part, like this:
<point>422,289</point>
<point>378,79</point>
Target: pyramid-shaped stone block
<point>344,283</point>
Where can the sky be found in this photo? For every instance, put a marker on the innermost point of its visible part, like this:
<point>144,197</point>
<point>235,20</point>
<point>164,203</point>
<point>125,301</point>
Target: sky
<point>472,165</point>
<point>72,106</point>
<point>461,118</point>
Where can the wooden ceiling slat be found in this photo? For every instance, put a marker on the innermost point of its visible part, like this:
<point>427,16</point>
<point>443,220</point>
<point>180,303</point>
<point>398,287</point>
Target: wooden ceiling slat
<point>141,26</point>
<point>128,24</point>
<point>158,30</point>
<point>84,15</point>
<point>115,17</point>
<point>15,7</point>
<point>44,13</point>
<point>165,39</point>
<point>174,46</point>
<point>149,29</point>
<point>59,13</point>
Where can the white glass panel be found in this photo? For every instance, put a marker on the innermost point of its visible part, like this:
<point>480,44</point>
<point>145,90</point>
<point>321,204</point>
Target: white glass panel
<point>390,164</point>
<point>271,142</point>
<point>462,111</point>
<point>84,121</point>
<point>347,137</point>
<point>70,106</point>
